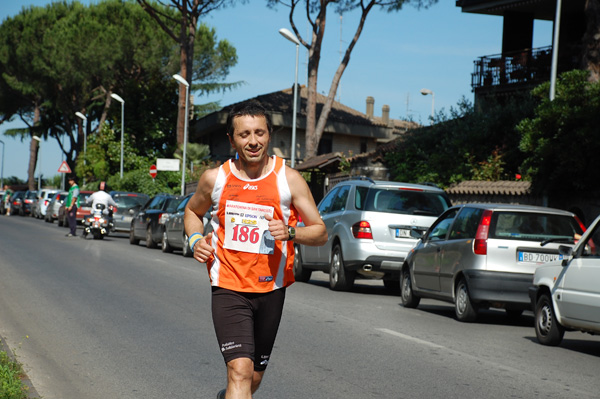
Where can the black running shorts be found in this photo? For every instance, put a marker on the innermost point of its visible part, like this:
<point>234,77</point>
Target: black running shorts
<point>246,323</point>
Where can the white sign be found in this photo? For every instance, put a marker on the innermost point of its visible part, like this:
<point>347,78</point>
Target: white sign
<point>64,167</point>
<point>169,164</point>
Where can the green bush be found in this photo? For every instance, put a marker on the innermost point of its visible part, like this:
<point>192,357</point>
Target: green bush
<point>11,386</point>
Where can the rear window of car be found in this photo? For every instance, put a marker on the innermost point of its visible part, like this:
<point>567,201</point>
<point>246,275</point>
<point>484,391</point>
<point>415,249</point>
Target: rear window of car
<point>411,202</point>
<point>130,201</point>
<point>533,226</point>
<point>172,204</point>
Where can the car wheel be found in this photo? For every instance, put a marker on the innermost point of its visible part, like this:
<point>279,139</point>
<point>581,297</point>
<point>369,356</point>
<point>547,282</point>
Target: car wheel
<point>547,328</point>
<point>186,251</point>
<point>149,241</point>
<point>464,308</point>
<point>409,299</point>
<point>300,274</point>
<point>165,244</point>
<point>340,279</point>
<point>59,221</point>
<point>132,239</point>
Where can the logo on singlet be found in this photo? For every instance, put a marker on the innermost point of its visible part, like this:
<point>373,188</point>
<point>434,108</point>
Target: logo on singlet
<point>265,279</point>
<point>250,187</point>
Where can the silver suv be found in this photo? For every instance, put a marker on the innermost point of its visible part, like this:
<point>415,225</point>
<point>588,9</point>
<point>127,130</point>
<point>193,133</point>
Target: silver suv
<point>371,227</point>
<point>484,255</point>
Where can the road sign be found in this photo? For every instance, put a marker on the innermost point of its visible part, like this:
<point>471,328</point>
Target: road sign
<point>64,167</point>
<point>153,171</point>
<point>167,164</point>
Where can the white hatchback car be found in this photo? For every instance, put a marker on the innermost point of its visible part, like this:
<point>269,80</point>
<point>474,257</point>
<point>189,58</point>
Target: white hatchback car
<point>567,296</point>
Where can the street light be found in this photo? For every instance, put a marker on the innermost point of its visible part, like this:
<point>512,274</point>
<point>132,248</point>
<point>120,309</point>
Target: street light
<point>2,169</point>
<point>119,99</point>
<point>426,92</point>
<point>184,82</point>
<point>83,118</point>
<point>292,38</point>
<point>554,67</point>
<point>36,138</point>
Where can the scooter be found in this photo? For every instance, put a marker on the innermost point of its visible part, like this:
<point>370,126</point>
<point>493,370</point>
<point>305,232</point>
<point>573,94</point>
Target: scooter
<point>97,223</point>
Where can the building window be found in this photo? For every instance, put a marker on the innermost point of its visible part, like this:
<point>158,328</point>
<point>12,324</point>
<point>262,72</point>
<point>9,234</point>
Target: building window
<point>325,145</point>
<point>363,145</point>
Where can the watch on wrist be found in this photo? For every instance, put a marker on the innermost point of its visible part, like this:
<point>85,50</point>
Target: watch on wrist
<point>291,233</point>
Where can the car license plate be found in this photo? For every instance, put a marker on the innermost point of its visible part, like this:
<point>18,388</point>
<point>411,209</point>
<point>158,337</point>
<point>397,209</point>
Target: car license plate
<point>403,233</point>
<point>535,257</point>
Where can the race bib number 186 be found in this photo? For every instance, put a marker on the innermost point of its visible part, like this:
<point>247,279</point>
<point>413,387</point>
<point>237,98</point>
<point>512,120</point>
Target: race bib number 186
<point>246,228</point>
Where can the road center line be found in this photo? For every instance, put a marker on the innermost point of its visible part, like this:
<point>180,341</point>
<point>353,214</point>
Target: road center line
<point>409,338</point>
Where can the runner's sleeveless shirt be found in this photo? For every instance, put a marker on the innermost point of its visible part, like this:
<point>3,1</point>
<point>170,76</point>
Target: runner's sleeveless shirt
<point>247,258</point>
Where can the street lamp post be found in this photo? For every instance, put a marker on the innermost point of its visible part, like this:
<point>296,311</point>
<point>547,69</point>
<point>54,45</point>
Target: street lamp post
<point>2,168</point>
<point>184,82</point>
<point>119,99</point>
<point>426,92</point>
<point>83,118</point>
<point>292,38</point>
<point>36,138</point>
<point>554,67</point>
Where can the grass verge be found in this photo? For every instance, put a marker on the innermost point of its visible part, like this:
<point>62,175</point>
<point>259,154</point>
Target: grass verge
<point>11,374</point>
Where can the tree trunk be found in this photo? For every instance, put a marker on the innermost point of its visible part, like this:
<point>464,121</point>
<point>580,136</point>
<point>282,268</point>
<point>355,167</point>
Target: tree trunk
<point>33,151</point>
<point>591,40</point>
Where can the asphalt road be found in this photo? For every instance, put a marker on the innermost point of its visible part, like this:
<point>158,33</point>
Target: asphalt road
<point>105,319</point>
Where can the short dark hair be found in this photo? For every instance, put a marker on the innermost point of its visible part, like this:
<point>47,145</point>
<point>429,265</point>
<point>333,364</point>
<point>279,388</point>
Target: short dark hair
<point>250,108</point>
<point>71,177</point>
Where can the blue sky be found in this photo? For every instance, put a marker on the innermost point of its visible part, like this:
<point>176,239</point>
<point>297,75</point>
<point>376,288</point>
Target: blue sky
<point>397,55</point>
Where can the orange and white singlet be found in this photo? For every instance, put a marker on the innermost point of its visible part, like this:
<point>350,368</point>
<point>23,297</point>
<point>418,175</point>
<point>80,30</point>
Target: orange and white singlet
<point>247,258</point>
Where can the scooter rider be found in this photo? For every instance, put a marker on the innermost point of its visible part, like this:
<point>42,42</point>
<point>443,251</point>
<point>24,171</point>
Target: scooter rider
<point>102,197</point>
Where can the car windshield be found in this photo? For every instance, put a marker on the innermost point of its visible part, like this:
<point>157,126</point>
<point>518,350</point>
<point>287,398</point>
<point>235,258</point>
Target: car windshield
<point>393,200</point>
<point>533,226</point>
<point>126,201</point>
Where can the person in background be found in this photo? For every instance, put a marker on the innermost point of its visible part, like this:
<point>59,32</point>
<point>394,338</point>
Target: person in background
<point>104,198</point>
<point>71,205</point>
<point>6,199</point>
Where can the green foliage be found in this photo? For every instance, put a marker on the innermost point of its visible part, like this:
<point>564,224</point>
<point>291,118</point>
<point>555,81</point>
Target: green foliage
<point>13,181</point>
<point>103,158</point>
<point>11,386</point>
<point>561,141</point>
<point>139,180</point>
<point>467,144</point>
<point>67,57</point>
<point>345,164</point>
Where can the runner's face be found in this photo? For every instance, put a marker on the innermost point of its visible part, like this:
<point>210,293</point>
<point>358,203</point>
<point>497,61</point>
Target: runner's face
<point>250,138</point>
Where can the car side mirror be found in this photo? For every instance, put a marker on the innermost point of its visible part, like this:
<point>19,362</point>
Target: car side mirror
<point>567,253</point>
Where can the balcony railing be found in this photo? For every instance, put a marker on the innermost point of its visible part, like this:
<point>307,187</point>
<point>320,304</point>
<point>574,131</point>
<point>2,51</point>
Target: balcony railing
<point>516,68</point>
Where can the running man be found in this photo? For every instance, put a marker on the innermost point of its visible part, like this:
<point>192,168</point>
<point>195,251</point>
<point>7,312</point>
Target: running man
<point>256,203</point>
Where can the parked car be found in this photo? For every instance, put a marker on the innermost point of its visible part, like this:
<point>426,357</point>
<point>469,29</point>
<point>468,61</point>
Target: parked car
<point>28,201</point>
<point>16,202</point>
<point>371,226</point>
<point>127,204</point>
<point>565,296</point>
<point>479,256</point>
<point>39,208</point>
<point>145,223</point>
<point>174,236</point>
<point>54,206</point>
<point>82,211</point>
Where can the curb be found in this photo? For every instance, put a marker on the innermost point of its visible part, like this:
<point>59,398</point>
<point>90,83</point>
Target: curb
<point>31,391</point>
